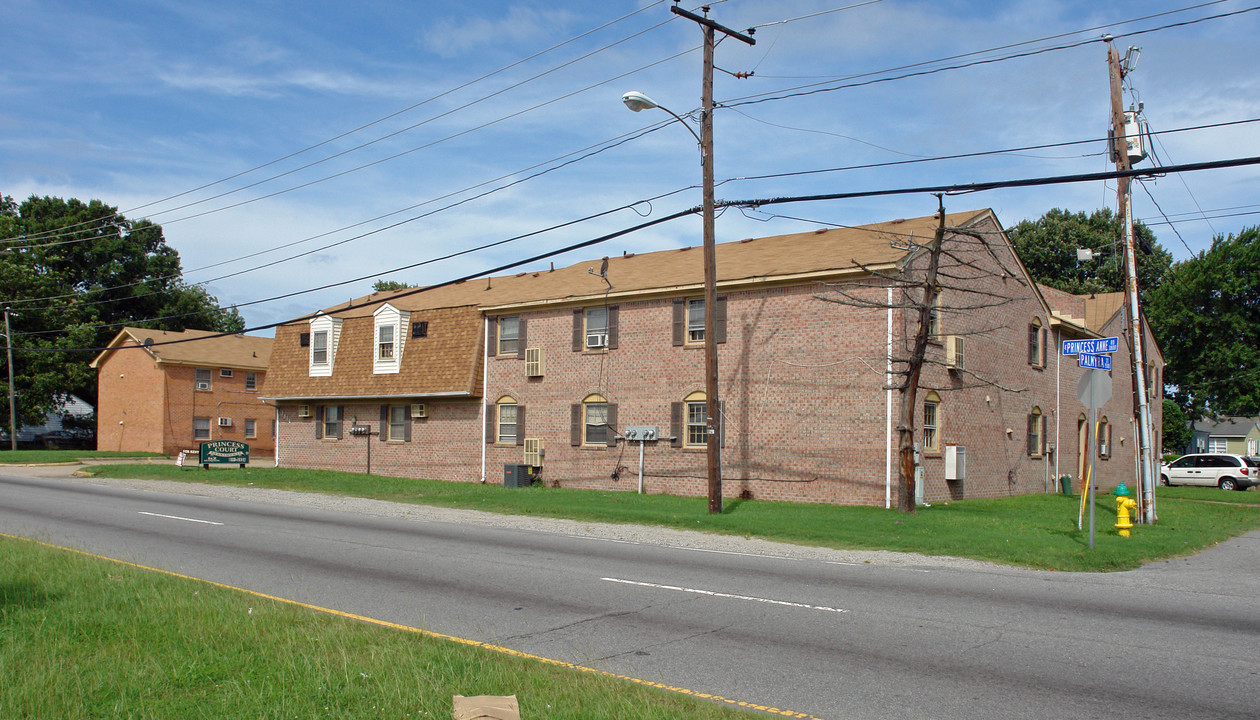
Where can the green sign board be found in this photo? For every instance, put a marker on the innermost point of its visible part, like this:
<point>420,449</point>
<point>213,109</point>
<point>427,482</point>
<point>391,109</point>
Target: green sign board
<point>224,452</point>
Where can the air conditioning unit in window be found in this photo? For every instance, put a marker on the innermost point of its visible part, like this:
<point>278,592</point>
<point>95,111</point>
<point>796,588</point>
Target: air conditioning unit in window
<point>1104,449</point>
<point>203,386</point>
<point>225,422</point>
<point>955,462</point>
<point>419,410</point>
<point>954,356</point>
<point>596,340</point>
<point>533,452</point>
<point>304,411</point>
<point>534,362</point>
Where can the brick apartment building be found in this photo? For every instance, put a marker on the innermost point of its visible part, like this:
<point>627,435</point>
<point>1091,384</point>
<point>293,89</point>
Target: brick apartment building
<point>550,368</point>
<point>158,397</point>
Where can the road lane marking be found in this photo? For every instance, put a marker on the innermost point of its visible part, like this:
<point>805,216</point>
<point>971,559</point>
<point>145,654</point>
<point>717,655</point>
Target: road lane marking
<point>176,517</point>
<point>439,636</point>
<point>712,593</point>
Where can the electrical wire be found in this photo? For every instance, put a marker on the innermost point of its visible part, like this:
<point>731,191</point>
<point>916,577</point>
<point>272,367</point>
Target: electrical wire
<point>801,91</point>
<point>754,203</point>
<point>439,96</point>
<point>601,147</point>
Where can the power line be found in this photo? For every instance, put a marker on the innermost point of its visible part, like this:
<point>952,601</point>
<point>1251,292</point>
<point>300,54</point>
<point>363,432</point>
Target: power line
<point>757,203</point>
<point>792,92</point>
<point>392,115</point>
<point>601,147</point>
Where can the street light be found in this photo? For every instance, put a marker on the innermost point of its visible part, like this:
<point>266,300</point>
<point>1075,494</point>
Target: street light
<point>637,101</point>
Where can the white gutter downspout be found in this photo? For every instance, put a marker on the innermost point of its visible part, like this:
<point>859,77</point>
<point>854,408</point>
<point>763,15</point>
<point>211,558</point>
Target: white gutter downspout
<point>485,385</point>
<point>276,424</point>
<point>1058,403</point>
<point>888,399</point>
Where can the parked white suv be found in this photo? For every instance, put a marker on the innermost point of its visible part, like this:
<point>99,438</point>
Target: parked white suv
<point>1227,472</point>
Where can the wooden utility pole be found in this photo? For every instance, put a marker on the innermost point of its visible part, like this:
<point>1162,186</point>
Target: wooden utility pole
<point>713,421</point>
<point>1120,153</point>
<point>8,343</point>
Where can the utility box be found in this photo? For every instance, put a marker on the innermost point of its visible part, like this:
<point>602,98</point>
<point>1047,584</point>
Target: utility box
<point>517,476</point>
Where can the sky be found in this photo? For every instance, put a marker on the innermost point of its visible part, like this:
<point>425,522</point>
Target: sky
<point>296,152</point>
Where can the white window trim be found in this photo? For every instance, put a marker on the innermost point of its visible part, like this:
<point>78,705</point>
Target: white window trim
<point>389,316</point>
<point>332,326</point>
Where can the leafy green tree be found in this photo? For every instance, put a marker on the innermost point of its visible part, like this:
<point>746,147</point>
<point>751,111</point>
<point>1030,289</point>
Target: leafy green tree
<point>388,285</point>
<point>1047,248</point>
<point>73,273</point>
<point>1206,317</point>
<point>1177,432</point>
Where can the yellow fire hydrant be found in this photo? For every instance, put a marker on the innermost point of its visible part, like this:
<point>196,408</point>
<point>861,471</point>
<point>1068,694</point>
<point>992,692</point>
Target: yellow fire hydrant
<point>1124,505</point>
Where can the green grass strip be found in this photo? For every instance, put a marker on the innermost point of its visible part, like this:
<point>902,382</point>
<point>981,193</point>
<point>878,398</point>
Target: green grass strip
<point>85,637</point>
<point>47,457</point>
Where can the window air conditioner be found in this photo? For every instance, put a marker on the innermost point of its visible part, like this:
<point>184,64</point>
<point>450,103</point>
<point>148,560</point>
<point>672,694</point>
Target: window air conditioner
<point>203,386</point>
<point>596,340</point>
<point>533,452</point>
<point>955,462</point>
<point>418,410</point>
<point>304,411</point>
<point>533,362</point>
<point>954,357</point>
<point>1104,449</point>
<point>225,422</point>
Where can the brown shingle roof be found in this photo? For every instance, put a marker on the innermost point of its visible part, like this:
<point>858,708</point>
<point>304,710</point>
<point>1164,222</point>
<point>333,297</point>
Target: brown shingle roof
<point>196,347</point>
<point>820,253</point>
<point>449,361</point>
<point>446,362</point>
<point>1100,308</point>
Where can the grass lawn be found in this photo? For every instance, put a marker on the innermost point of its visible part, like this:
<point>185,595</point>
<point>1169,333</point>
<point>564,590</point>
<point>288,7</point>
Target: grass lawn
<point>43,457</point>
<point>82,637</point>
<point>1035,531</point>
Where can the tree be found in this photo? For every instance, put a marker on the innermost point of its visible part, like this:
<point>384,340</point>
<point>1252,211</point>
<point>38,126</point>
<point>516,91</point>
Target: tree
<point>389,285</point>
<point>955,262</point>
<point>1206,317</point>
<point>73,274</point>
<point>1047,248</point>
<point>1177,432</point>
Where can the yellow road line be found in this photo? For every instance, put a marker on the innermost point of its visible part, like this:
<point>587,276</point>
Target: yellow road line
<point>436,635</point>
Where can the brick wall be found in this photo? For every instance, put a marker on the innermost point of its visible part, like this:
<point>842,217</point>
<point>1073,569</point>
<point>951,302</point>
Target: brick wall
<point>149,407</point>
<point>130,401</point>
<point>806,414</point>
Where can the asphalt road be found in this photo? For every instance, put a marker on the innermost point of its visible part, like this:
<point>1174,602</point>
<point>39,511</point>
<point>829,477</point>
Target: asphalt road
<point>830,639</point>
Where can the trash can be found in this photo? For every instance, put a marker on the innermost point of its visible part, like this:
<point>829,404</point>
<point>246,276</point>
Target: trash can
<point>1065,484</point>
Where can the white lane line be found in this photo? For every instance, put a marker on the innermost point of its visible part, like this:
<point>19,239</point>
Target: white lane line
<point>176,517</point>
<point>712,593</point>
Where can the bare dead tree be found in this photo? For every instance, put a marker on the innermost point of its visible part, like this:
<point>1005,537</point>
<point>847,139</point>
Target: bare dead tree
<point>929,272</point>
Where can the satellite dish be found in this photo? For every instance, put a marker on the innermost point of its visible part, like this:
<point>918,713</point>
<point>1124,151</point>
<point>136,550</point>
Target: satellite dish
<point>148,342</point>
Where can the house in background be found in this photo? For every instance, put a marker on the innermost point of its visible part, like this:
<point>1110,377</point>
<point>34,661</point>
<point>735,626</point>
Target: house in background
<point>163,392</point>
<point>553,369</point>
<point>1235,435</point>
<point>67,426</point>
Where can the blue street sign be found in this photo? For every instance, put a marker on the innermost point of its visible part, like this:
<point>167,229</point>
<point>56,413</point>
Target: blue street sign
<point>1098,362</point>
<point>1092,347</point>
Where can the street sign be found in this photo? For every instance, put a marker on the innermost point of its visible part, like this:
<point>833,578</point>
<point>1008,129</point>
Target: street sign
<point>1092,347</point>
<point>1094,389</point>
<point>1097,362</point>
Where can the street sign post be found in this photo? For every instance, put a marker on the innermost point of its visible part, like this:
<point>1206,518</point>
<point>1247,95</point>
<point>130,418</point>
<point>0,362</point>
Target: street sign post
<point>1097,346</point>
<point>1096,362</point>
<point>1094,390</point>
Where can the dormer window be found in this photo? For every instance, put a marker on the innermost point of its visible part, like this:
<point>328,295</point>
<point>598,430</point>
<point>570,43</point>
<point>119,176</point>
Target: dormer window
<point>388,323</point>
<point>385,342</point>
<point>325,333</point>
<point>319,348</point>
